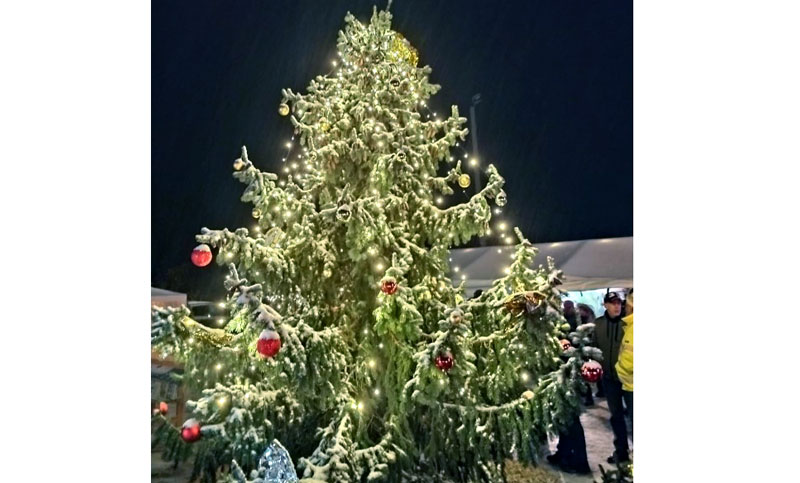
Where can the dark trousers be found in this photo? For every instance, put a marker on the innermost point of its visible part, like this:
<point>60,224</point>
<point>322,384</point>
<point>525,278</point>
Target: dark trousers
<point>615,396</point>
<point>572,445</point>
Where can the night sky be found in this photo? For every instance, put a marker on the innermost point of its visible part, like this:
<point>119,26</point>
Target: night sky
<point>556,117</point>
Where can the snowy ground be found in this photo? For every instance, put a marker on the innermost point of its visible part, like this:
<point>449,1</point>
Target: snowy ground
<point>599,446</point>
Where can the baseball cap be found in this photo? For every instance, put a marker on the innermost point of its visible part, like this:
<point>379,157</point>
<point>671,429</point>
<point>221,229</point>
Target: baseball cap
<point>611,297</point>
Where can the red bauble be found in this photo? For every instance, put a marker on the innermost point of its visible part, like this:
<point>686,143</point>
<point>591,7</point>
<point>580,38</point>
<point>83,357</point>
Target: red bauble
<point>389,286</point>
<point>591,371</point>
<point>444,362</point>
<point>201,255</point>
<point>190,432</point>
<point>163,407</point>
<point>269,343</point>
<point>565,344</point>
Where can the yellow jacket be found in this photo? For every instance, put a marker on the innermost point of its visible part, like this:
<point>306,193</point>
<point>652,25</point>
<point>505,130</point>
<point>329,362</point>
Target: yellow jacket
<point>624,365</point>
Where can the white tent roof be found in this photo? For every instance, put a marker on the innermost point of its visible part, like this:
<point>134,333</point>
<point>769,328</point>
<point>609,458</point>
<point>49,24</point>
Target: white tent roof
<point>166,298</point>
<point>587,264</point>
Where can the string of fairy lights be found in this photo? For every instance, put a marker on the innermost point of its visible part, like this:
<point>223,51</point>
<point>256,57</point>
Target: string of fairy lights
<point>294,161</point>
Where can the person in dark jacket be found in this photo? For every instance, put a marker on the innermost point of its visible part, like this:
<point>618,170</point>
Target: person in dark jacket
<point>570,314</point>
<point>570,455</point>
<point>608,333</point>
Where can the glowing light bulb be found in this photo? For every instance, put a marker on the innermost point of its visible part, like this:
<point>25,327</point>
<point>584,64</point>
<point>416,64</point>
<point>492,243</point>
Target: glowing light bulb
<point>221,401</point>
<point>377,392</point>
<point>502,226</point>
<point>360,405</point>
<point>473,162</point>
<point>441,382</point>
<point>371,363</point>
<point>380,346</point>
<point>439,200</point>
<point>524,376</point>
<point>218,367</point>
<point>191,340</point>
<point>221,305</point>
<point>334,63</point>
<point>507,270</point>
<point>289,144</point>
<point>509,240</point>
<point>379,266</point>
<point>229,255</point>
<point>455,269</point>
<point>463,277</point>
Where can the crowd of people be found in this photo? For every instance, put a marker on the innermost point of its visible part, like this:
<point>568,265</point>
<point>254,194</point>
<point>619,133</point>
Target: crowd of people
<point>613,335</point>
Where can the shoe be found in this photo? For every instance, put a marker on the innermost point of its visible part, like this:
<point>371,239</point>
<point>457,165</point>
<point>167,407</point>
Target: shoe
<point>614,458</point>
<point>554,459</point>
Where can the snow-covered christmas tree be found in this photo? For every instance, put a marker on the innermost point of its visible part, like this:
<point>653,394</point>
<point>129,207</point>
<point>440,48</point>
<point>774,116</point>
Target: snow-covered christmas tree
<point>347,341</point>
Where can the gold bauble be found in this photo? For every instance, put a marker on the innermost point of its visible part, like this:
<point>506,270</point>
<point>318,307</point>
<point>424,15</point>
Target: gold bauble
<point>464,180</point>
<point>238,164</point>
<point>403,51</point>
<point>256,213</point>
<point>527,394</point>
<point>283,109</point>
<point>324,126</point>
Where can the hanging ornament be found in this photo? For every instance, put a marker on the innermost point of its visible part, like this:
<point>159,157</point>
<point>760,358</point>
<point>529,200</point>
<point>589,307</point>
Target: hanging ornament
<point>343,213</point>
<point>238,164</point>
<point>201,255</point>
<point>389,286</point>
<point>444,361</point>
<point>464,180</point>
<point>565,344</point>
<point>527,395</point>
<point>401,155</point>
<point>163,408</point>
<point>283,109</point>
<point>456,317</point>
<point>190,432</point>
<point>269,343</point>
<point>256,213</point>
<point>395,82</point>
<point>324,125</point>
<point>501,199</point>
<point>402,50</point>
<point>326,273</point>
<point>591,371</point>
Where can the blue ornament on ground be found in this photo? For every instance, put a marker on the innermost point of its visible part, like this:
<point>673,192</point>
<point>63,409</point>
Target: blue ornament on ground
<point>276,464</point>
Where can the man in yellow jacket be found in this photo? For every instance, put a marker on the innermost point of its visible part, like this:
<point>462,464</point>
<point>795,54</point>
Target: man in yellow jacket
<point>624,366</point>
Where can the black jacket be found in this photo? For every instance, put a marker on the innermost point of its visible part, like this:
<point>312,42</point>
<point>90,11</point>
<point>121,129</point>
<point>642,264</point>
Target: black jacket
<point>608,337</point>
